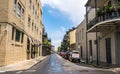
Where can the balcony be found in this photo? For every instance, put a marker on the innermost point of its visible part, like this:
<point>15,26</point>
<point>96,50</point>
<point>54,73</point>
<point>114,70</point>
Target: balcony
<point>105,20</point>
<point>91,3</point>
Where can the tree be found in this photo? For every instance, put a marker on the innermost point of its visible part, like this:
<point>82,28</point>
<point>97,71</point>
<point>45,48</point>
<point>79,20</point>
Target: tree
<point>46,42</point>
<point>64,45</point>
<point>59,49</point>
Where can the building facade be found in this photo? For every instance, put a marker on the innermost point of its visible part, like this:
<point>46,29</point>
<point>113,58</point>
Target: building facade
<point>106,24</point>
<point>81,39</point>
<point>46,46</point>
<point>85,42</point>
<point>72,39</point>
<point>20,30</point>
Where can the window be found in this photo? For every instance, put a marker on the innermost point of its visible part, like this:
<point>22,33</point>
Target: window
<point>80,36</point>
<point>22,12</point>
<point>15,2</point>
<point>29,4</point>
<point>40,22</point>
<point>19,10</point>
<point>32,25</point>
<point>109,3</point>
<point>35,14</point>
<point>17,37</point>
<point>29,20</point>
<point>38,5</point>
<point>22,37</point>
<point>95,41</point>
<point>37,30</point>
<point>82,33</point>
<point>33,9</point>
<point>40,34</point>
<point>0,29</point>
<point>13,31</point>
<point>41,11</point>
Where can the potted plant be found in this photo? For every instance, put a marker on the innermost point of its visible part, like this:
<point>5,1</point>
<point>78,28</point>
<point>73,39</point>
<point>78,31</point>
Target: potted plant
<point>109,11</point>
<point>110,8</point>
<point>100,11</point>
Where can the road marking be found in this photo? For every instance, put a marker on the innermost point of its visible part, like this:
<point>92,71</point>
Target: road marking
<point>19,72</point>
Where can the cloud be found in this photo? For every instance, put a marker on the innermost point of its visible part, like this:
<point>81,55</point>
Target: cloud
<point>50,11</point>
<point>74,9</point>
<point>57,36</point>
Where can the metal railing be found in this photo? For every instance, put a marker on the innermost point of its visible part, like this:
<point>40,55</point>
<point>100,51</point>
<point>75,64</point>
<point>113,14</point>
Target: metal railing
<point>104,17</point>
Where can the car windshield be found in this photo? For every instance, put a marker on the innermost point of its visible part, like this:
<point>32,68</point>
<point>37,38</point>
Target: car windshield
<point>76,52</point>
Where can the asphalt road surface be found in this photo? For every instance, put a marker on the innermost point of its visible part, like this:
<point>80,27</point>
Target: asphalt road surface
<point>54,64</point>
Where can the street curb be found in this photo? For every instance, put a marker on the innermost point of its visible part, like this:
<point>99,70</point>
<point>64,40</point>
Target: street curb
<point>23,65</point>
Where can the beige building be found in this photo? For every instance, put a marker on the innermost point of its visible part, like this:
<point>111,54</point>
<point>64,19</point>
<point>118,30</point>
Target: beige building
<point>72,38</point>
<point>85,45</point>
<point>107,23</point>
<point>91,36</point>
<point>81,39</point>
<point>20,30</point>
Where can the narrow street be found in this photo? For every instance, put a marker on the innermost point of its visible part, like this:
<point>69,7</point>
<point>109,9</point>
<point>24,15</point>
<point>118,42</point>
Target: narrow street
<point>57,65</point>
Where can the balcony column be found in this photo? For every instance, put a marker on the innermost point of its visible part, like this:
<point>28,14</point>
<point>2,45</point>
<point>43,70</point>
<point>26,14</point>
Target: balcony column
<point>95,10</point>
<point>86,36</point>
<point>97,47</point>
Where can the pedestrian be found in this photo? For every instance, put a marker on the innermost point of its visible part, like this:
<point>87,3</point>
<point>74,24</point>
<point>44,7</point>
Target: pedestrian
<point>91,60</point>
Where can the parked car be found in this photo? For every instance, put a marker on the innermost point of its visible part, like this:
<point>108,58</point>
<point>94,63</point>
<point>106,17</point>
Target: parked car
<point>62,54</point>
<point>74,56</point>
<point>67,55</point>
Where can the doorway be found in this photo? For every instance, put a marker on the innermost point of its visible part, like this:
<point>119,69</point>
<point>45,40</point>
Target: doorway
<point>108,50</point>
<point>90,47</point>
<point>81,52</point>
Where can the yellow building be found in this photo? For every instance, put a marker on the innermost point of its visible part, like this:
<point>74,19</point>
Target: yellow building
<point>72,38</point>
<point>20,30</point>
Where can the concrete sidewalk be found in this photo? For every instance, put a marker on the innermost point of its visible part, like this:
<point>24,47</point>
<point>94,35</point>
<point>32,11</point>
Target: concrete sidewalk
<point>22,65</point>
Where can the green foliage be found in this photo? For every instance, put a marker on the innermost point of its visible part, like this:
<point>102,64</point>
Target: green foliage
<point>65,45</point>
<point>110,8</point>
<point>59,49</point>
<point>101,11</point>
<point>46,42</point>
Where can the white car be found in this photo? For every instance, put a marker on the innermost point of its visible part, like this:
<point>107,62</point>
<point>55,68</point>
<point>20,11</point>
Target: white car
<point>74,56</point>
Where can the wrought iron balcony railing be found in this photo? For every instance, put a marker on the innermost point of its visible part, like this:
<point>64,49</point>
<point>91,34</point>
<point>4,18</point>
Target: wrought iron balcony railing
<point>104,17</point>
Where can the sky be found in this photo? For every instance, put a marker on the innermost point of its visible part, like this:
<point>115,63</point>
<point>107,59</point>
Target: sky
<point>61,15</point>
